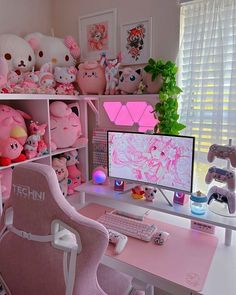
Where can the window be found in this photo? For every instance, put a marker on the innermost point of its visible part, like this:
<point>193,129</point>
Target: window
<point>207,74</point>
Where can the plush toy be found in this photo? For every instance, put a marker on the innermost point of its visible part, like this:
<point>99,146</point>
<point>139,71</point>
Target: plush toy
<point>17,52</point>
<point>31,146</point>
<point>129,81</point>
<point>46,79</point>
<point>137,192</point>
<point>59,52</point>
<point>5,179</point>
<point>111,72</point>
<point>36,129</point>
<point>59,165</point>
<point>65,125</point>
<point>74,173</point>
<point>10,151</point>
<point>13,124</point>
<point>65,78</point>
<point>150,193</point>
<point>3,71</point>
<point>91,78</point>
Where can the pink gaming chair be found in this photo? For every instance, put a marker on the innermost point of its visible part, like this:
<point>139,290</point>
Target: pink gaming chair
<point>38,255</point>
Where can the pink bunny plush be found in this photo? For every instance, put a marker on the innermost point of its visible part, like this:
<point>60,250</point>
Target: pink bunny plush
<point>46,79</point>
<point>74,174</point>
<point>65,77</point>
<point>65,125</point>
<point>59,165</point>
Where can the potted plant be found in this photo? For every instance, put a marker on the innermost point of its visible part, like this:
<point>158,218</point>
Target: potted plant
<point>167,109</point>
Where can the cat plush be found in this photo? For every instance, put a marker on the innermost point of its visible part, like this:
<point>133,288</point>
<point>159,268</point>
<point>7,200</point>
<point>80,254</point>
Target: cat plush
<point>18,53</point>
<point>64,78</point>
<point>129,81</point>
<point>48,49</point>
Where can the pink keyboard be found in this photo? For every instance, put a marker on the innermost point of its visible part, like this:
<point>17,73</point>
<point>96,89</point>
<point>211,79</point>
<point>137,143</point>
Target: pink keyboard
<point>128,226</point>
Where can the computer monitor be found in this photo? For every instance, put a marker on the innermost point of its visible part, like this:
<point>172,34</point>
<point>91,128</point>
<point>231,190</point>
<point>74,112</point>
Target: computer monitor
<point>165,161</point>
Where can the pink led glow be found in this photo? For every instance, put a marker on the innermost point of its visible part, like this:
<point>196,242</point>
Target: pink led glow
<point>132,112</point>
<point>147,118</point>
<point>124,118</point>
<point>112,108</point>
<point>136,109</point>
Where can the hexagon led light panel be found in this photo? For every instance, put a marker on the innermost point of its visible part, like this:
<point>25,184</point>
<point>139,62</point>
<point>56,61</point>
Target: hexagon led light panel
<point>127,114</point>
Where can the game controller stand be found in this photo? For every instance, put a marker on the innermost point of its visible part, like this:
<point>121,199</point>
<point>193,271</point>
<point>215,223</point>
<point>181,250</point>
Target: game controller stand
<point>222,200</point>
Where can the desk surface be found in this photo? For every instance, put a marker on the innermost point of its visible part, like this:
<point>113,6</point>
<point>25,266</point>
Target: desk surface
<point>183,260</point>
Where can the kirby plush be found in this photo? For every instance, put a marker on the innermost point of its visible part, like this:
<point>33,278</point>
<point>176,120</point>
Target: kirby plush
<point>10,151</point>
<point>65,125</point>
<point>91,78</point>
<point>129,81</point>
<point>13,124</point>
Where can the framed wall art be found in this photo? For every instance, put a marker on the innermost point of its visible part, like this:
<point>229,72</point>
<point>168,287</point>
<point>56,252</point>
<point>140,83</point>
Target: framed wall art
<point>97,34</point>
<point>136,41</point>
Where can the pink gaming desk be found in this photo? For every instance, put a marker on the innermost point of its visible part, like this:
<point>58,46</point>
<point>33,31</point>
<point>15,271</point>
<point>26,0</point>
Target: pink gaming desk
<point>182,262</point>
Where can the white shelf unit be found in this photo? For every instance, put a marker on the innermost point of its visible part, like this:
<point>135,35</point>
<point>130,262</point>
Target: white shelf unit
<point>37,106</point>
<point>106,192</point>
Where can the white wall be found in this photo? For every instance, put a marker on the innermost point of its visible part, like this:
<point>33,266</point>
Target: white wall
<point>21,17</point>
<point>165,15</point>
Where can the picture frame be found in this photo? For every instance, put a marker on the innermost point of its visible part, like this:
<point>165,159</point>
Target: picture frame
<point>136,41</point>
<point>97,34</point>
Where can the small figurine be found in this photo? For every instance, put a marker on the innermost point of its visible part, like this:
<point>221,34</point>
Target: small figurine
<point>138,192</point>
<point>31,146</point>
<point>111,73</point>
<point>150,193</point>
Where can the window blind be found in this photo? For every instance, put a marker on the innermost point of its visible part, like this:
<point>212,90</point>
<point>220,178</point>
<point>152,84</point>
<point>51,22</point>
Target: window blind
<point>207,72</point>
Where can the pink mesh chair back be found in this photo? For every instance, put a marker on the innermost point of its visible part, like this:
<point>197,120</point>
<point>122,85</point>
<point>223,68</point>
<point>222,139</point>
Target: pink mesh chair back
<point>28,266</point>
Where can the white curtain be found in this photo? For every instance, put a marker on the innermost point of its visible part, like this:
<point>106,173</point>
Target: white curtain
<point>207,72</point>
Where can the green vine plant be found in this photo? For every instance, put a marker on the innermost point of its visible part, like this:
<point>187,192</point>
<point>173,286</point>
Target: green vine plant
<point>167,109</point>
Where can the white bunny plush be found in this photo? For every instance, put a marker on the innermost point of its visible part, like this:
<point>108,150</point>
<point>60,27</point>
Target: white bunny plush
<point>48,49</point>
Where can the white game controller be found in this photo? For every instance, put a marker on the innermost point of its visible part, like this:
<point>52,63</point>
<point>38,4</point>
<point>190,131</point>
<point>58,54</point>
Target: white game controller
<point>118,239</point>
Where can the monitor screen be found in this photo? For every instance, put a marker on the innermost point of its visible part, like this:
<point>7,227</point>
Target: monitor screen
<point>165,161</point>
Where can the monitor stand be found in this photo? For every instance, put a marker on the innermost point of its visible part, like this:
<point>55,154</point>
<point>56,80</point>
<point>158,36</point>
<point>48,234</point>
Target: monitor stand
<point>165,197</point>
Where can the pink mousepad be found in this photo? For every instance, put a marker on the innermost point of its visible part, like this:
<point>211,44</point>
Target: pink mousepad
<point>184,259</point>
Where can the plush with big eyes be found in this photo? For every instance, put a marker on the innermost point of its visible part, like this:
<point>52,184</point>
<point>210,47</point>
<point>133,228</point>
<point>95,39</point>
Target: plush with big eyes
<point>59,52</point>
<point>18,53</point>
<point>129,81</point>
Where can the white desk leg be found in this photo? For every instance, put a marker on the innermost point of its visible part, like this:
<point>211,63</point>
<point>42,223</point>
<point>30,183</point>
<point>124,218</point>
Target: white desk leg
<point>82,198</point>
<point>228,236</point>
<point>140,285</point>
<point>149,290</point>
